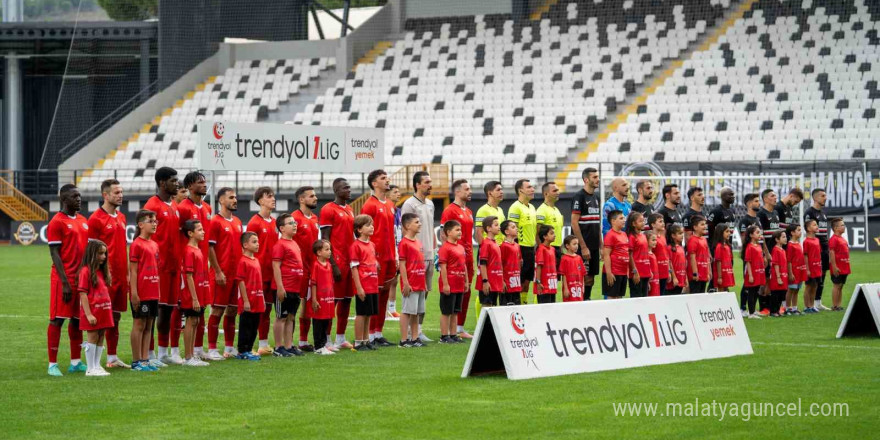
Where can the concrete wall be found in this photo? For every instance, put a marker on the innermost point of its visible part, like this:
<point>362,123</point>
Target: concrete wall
<point>449,8</point>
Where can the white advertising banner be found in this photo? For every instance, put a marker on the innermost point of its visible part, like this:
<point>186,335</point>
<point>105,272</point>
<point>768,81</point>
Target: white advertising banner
<point>578,337</point>
<point>235,146</point>
<point>862,317</point>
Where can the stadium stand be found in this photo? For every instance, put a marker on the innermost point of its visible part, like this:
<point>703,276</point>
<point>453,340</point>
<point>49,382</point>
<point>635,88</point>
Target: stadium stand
<point>247,92</point>
<point>788,81</point>
<point>524,93</point>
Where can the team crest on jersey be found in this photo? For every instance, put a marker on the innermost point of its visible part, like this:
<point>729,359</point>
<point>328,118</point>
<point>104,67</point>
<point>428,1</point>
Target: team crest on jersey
<point>226,228</point>
<point>85,226</point>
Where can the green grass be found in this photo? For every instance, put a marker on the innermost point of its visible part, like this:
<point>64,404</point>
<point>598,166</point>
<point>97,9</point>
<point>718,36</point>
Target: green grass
<point>398,393</point>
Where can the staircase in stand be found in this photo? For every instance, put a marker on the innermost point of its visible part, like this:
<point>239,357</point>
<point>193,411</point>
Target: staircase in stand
<point>16,204</point>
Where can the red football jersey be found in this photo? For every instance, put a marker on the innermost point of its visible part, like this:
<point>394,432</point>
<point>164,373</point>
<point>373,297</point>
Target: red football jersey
<point>545,257</point>
<point>363,256</point>
<point>619,245</point>
<point>813,252</point>
<point>249,271</point>
<point>511,259</point>
<point>679,266</point>
<point>755,259</point>
<point>778,264</point>
<point>290,256</point>
<point>490,256</point>
<point>661,253</point>
<point>99,297</point>
<point>111,230</point>
<point>466,218</point>
<point>453,256</point>
<point>724,255</point>
<point>167,234</point>
<point>226,238</point>
<point>72,234</point>
<point>307,232</point>
<point>795,255</point>
<point>410,251</point>
<point>340,220</point>
<point>202,212</point>
<point>321,282</point>
<point>841,253</point>
<point>267,236</point>
<point>572,268</point>
<point>383,227</point>
<point>654,282</point>
<point>698,247</point>
<point>146,254</point>
<point>639,245</point>
<point>194,263</point>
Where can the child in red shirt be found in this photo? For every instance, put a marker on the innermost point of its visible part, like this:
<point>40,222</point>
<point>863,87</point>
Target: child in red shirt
<point>322,294</point>
<point>453,281</point>
<point>778,282</point>
<point>639,261</point>
<point>413,284</point>
<point>571,271</point>
<point>194,289</point>
<point>654,281</point>
<point>511,258</point>
<point>545,266</point>
<point>755,276</point>
<point>490,283</point>
<point>723,258</point>
<point>287,274</point>
<point>615,257</point>
<point>677,261</point>
<point>838,255</point>
<point>143,278</point>
<point>365,277</point>
<point>251,302</point>
<point>698,256</point>
<point>96,308</point>
<point>660,251</point>
<point>813,262</point>
<point>797,268</point>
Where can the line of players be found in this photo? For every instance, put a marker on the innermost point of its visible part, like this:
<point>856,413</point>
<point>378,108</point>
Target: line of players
<point>532,237</point>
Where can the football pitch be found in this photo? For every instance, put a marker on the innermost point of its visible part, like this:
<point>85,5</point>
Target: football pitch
<point>417,393</point>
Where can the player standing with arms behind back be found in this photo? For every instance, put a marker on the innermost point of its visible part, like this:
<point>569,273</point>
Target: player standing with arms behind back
<point>420,205</point>
<point>168,238</point>
<point>586,225</point>
<point>307,231</point>
<point>194,208</point>
<point>459,211</point>
<point>816,212</point>
<point>263,225</point>
<point>224,253</point>
<point>107,225</point>
<point>337,226</point>
<point>68,235</point>
<point>381,210</point>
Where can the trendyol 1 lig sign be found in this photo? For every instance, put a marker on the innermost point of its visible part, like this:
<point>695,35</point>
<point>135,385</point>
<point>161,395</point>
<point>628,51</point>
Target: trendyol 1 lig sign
<point>555,339</point>
<point>234,146</point>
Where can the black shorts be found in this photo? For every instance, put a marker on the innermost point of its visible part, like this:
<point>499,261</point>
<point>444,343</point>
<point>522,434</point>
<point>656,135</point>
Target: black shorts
<point>527,271</point>
<point>490,299</point>
<point>190,313</point>
<point>546,299</point>
<point>618,289</point>
<point>146,310</point>
<point>287,307</point>
<point>451,304</point>
<point>839,279</point>
<point>814,280</point>
<point>510,299</point>
<point>592,265</point>
<point>369,306</point>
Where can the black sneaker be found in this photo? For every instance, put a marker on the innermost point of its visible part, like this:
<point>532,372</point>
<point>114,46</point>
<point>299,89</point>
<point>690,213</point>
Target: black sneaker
<point>280,352</point>
<point>294,351</point>
<point>362,347</point>
<point>445,339</point>
<point>456,339</point>
<point>405,344</point>
<point>417,343</point>
<point>382,342</point>
<point>307,348</point>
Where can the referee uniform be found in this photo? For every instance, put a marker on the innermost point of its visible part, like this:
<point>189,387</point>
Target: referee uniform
<point>526,218</point>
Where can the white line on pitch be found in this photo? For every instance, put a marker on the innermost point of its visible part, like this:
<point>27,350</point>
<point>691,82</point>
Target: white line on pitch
<point>795,344</point>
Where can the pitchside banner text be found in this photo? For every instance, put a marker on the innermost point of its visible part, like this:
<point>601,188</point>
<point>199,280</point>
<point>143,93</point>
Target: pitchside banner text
<point>234,146</point>
<point>566,338</point>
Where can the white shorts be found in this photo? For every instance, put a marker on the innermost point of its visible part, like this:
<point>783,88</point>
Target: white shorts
<point>414,304</point>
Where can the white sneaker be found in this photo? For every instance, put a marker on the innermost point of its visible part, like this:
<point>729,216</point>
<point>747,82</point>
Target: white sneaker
<point>745,313</point>
<point>172,360</point>
<point>97,371</point>
<point>193,362</point>
<point>324,352</point>
<point>331,347</point>
<point>157,363</point>
<point>232,353</point>
<point>822,307</point>
<point>117,364</point>
<point>202,363</point>
<point>214,355</point>
<point>754,316</point>
<point>424,338</point>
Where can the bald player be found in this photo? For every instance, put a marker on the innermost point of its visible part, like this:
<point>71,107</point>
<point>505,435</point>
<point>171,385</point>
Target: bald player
<point>617,202</point>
